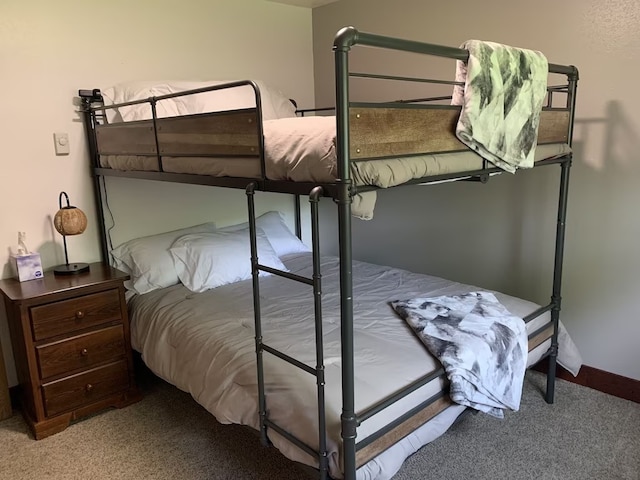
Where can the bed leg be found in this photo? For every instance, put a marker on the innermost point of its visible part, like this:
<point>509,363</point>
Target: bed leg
<point>556,299</point>
<point>551,373</point>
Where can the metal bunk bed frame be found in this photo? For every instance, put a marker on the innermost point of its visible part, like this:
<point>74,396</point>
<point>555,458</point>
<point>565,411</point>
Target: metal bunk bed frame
<point>354,453</point>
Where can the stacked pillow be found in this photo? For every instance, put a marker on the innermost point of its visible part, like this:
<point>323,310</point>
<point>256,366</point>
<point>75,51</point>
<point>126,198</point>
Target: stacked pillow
<point>274,103</point>
<point>209,260</point>
<point>202,256</point>
<point>147,259</point>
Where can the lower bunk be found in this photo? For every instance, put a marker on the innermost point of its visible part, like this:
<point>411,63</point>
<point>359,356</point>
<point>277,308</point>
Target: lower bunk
<point>204,344</point>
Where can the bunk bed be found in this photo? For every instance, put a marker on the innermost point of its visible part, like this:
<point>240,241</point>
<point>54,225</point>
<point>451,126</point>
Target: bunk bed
<point>247,348</point>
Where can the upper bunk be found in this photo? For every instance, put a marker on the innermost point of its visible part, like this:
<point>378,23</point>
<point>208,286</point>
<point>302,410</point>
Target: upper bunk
<point>235,133</point>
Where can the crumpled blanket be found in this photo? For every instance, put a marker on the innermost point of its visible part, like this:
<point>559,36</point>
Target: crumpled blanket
<point>481,345</point>
<point>503,93</point>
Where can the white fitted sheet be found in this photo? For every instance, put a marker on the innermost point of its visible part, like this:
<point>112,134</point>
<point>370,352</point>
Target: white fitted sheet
<point>204,344</point>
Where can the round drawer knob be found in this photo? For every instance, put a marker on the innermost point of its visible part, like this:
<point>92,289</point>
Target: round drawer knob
<point>84,352</point>
<point>79,314</point>
<point>88,387</point>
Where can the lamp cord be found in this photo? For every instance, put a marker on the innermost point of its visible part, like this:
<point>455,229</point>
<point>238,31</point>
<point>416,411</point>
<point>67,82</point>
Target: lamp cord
<point>113,221</point>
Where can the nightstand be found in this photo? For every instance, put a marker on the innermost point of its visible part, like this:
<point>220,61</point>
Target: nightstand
<point>71,344</point>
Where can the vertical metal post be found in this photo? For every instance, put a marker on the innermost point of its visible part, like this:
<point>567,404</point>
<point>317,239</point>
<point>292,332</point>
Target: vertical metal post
<point>90,129</point>
<point>259,129</point>
<point>342,44</point>
<point>571,101</point>
<point>556,297</point>
<point>262,404</point>
<point>314,198</point>
<point>154,120</point>
<point>298,219</point>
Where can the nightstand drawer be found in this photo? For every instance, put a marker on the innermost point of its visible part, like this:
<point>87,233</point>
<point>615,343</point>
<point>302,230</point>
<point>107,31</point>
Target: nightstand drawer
<point>83,351</point>
<point>84,388</point>
<point>75,314</point>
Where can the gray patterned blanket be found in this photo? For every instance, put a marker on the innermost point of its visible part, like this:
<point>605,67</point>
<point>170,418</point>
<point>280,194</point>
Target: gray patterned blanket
<point>482,346</point>
<point>504,88</point>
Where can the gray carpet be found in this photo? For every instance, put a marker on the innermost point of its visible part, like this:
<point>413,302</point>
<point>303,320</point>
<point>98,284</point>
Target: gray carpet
<point>584,435</point>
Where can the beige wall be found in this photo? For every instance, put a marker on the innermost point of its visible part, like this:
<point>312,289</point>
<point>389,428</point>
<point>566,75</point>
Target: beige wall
<point>486,235</point>
<point>50,49</point>
<point>501,235</point>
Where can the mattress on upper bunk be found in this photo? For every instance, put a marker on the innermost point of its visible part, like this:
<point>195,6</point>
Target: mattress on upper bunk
<point>203,343</point>
<point>303,149</point>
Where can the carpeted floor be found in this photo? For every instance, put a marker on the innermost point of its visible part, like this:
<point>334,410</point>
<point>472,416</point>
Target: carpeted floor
<point>584,435</point>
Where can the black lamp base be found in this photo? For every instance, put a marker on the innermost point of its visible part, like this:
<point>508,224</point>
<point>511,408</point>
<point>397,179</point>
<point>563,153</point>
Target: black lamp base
<point>71,269</point>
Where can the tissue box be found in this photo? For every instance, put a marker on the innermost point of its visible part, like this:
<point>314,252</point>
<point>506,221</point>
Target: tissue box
<point>27,267</point>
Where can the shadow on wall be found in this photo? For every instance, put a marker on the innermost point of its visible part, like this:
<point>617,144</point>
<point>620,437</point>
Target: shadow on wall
<point>7,271</point>
<point>620,141</point>
<point>51,251</point>
<point>503,236</point>
<point>603,179</point>
<point>603,192</point>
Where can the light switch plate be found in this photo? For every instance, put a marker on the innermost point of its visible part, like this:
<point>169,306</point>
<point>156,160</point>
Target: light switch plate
<point>61,142</point>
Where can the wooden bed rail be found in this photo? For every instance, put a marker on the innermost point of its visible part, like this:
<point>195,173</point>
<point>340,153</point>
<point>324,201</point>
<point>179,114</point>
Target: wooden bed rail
<point>409,129</point>
<point>376,132</point>
<point>234,133</point>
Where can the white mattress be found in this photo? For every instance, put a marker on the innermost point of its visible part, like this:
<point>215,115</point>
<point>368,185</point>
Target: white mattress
<point>204,344</point>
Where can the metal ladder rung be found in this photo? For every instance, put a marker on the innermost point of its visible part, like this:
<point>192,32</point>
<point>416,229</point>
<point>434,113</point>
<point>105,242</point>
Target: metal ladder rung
<point>318,372</point>
<point>289,275</point>
<point>289,359</point>
<point>292,438</point>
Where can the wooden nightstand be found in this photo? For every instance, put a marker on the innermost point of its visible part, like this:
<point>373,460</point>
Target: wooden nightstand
<point>71,346</point>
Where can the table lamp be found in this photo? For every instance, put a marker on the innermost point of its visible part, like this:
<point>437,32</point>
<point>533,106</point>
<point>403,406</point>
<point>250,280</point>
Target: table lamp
<point>69,220</point>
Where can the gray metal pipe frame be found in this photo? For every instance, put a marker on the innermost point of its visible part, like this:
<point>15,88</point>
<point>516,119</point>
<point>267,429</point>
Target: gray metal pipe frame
<point>262,409</point>
<point>341,192</point>
<point>154,119</point>
<point>194,91</point>
<point>228,85</point>
<point>348,419</point>
<point>98,189</point>
<point>344,40</point>
<point>323,460</point>
<point>556,296</point>
<point>349,36</point>
<point>261,347</point>
<point>298,220</point>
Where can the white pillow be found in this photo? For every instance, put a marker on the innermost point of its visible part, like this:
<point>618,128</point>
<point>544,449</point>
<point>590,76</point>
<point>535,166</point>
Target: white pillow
<point>280,237</point>
<point>209,260</point>
<point>274,103</point>
<point>148,261</point>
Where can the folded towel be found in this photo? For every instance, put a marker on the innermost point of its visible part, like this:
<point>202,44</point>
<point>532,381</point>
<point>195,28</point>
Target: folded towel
<point>481,345</point>
<point>504,89</point>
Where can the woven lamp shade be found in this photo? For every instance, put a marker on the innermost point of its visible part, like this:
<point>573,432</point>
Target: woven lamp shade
<point>70,221</point>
